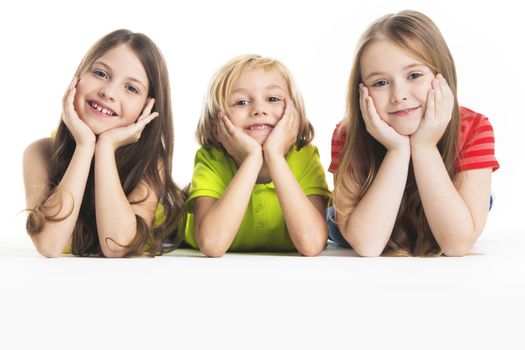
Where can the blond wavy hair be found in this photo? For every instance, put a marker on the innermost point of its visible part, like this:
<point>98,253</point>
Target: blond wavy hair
<point>219,93</point>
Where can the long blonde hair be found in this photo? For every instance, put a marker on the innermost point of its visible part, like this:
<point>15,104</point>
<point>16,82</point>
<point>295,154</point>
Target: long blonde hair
<point>220,91</point>
<point>362,155</point>
<point>136,162</point>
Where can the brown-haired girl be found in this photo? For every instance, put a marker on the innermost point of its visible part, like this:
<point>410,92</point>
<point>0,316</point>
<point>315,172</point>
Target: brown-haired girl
<point>102,184</point>
<point>412,168</point>
<point>258,183</point>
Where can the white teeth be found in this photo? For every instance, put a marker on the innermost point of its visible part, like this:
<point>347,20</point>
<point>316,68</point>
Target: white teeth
<point>260,127</point>
<point>100,109</point>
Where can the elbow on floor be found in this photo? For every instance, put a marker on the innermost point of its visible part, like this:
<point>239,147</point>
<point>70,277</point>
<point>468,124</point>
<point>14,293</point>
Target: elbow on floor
<point>368,250</point>
<point>49,252</point>
<point>457,250</point>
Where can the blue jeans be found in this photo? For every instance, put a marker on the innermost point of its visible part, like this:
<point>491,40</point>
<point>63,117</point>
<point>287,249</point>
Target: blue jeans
<point>335,235</point>
<point>333,231</point>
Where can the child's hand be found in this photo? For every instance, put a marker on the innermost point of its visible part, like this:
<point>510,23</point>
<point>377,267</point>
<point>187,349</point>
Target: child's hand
<point>125,135</point>
<point>81,132</point>
<point>440,103</point>
<point>238,144</point>
<point>377,127</point>
<point>284,133</point>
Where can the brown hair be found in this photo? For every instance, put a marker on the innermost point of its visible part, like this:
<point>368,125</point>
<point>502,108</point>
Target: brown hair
<point>362,155</point>
<point>135,162</point>
<point>220,91</point>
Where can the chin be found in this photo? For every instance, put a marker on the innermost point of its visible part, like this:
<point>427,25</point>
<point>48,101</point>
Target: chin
<point>97,129</point>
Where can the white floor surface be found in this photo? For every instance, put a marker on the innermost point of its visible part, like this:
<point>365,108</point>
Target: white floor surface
<point>265,301</point>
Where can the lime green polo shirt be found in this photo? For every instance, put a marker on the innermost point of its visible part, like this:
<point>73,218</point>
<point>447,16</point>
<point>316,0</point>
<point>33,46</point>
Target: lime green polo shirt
<point>263,227</point>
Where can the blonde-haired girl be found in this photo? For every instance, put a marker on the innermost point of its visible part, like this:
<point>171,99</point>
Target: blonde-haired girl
<point>258,184</point>
<point>412,168</point>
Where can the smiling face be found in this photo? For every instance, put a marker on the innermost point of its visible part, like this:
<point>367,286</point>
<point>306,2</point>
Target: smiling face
<point>256,103</point>
<point>398,84</point>
<point>113,92</point>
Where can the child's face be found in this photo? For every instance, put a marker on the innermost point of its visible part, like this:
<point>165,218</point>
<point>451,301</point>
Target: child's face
<point>398,84</point>
<point>113,92</point>
<point>257,102</point>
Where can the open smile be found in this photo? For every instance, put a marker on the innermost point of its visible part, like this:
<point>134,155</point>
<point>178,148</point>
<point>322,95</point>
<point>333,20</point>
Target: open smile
<point>101,110</point>
<point>257,127</point>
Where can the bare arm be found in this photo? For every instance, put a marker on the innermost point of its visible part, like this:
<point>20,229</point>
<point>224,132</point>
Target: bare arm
<point>304,215</point>
<point>368,225</point>
<point>456,210</point>
<point>54,237</point>
<point>217,221</point>
<point>116,221</point>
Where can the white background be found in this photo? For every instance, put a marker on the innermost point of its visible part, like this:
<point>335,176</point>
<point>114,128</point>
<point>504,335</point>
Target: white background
<point>43,43</point>
<point>259,301</point>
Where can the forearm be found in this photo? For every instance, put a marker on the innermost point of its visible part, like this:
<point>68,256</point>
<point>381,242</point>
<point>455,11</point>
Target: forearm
<point>369,226</point>
<point>447,214</point>
<point>116,221</point>
<point>305,224</point>
<point>65,203</point>
<point>217,229</point>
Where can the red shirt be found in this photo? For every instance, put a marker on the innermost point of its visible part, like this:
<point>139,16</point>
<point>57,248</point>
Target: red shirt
<point>476,143</point>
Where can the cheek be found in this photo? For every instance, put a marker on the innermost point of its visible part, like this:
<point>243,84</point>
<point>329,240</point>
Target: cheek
<point>133,111</point>
<point>236,116</point>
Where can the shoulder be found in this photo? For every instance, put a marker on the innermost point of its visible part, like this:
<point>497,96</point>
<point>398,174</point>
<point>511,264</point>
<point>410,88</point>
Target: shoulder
<point>39,150</point>
<point>301,159</point>
<point>476,142</point>
<point>302,154</point>
<point>474,126</point>
<point>213,162</point>
<point>473,120</point>
<point>211,155</point>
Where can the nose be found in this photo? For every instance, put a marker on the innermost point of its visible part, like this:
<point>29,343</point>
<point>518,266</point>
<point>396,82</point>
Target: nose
<point>258,109</point>
<point>399,93</point>
<point>107,91</point>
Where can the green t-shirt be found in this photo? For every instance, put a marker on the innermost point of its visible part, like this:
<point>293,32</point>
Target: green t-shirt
<point>263,226</point>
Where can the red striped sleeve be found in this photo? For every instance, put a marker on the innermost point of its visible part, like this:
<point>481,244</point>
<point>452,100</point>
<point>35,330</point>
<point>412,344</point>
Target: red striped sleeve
<point>476,142</point>
<point>338,143</point>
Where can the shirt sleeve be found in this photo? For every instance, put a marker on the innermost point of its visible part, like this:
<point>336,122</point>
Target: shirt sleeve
<point>477,143</point>
<point>310,173</point>
<point>211,176</point>
<point>338,144</point>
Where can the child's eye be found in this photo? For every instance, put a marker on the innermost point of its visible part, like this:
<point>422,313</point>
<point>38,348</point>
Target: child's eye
<point>241,103</point>
<point>274,99</point>
<point>380,83</point>
<point>414,75</point>
<point>100,74</point>
<point>132,89</point>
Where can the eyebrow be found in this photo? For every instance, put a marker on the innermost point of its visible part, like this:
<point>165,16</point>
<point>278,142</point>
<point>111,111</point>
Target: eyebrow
<point>404,68</point>
<point>269,87</point>
<point>127,78</point>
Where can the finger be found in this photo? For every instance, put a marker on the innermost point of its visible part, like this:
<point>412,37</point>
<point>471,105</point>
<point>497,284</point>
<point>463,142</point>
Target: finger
<point>430,110</point>
<point>221,130</point>
<point>286,111</point>
<point>363,94</point>
<point>147,119</point>
<point>229,127</point>
<point>147,109</point>
<point>68,105</point>
<point>292,112</point>
<point>73,83</point>
<point>372,114</point>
